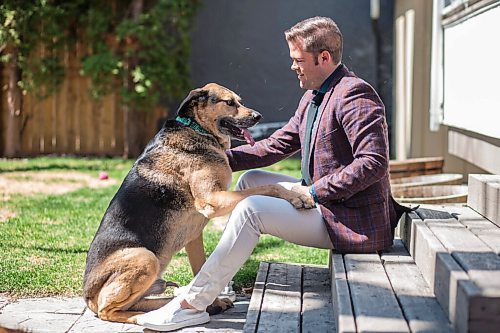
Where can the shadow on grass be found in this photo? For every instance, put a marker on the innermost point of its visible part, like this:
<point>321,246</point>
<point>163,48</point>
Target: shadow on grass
<point>71,163</point>
<point>53,249</point>
<point>59,250</point>
<point>62,167</point>
<point>268,244</point>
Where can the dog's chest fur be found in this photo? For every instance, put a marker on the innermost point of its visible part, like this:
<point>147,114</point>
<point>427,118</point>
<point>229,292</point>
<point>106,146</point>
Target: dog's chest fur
<point>176,155</point>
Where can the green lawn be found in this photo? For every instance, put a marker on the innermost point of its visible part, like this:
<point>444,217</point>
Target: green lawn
<point>43,246</point>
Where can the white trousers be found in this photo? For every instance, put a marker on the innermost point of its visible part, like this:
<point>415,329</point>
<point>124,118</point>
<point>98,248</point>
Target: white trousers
<point>252,217</point>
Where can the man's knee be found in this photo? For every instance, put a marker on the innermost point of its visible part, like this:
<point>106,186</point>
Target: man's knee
<point>246,211</point>
<point>248,179</point>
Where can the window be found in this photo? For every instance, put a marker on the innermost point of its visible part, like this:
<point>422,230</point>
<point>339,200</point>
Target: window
<point>470,66</point>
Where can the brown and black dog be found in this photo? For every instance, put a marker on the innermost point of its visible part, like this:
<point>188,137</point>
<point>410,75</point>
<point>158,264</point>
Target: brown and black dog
<point>179,182</point>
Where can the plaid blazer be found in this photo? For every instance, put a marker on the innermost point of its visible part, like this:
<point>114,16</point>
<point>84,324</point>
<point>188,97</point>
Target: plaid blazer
<point>349,162</point>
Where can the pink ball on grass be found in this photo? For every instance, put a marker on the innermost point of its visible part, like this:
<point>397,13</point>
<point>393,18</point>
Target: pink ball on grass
<point>103,175</point>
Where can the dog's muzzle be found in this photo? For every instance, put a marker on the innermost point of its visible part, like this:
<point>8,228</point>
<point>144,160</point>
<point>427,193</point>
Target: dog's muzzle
<point>238,127</point>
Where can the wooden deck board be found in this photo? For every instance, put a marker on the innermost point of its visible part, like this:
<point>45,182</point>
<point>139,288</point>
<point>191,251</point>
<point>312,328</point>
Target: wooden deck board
<point>291,298</point>
<point>484,196</point>
<point>343,312</point>
<point>281,305</point>
<point>427,246</point>
<point>317,309</point>
<point>256,300</point>
<point>407,231</point>
<point>420,307</point>
<point>486,231</point>
<point>375,305</point>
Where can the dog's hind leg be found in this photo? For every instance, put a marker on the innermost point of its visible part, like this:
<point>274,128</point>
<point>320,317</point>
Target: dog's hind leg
<point>136,270</point>
<point>196,253</point>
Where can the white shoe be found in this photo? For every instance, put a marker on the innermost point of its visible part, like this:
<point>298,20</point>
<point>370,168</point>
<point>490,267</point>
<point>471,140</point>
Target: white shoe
<point>172,317</point>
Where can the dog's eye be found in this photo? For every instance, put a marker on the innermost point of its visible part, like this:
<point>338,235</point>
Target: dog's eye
<point>230,102</point>
<point>214,99</point>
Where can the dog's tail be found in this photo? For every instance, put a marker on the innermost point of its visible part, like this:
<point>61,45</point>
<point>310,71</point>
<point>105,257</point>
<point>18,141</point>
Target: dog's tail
<point>150,303</point>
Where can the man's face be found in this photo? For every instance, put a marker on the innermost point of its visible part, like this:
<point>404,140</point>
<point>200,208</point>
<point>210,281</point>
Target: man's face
<point>309,70</point>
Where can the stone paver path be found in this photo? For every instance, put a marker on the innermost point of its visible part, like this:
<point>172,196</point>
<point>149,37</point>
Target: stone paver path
<point>61,315</point>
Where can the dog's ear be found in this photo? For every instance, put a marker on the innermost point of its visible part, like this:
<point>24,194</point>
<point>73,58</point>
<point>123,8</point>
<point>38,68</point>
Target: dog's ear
<point>195,96</point>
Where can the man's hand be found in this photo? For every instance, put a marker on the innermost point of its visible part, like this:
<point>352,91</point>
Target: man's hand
<point>305,195</point>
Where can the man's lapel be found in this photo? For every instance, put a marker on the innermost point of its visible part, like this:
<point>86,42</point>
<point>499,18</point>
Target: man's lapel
<point>322,108</point>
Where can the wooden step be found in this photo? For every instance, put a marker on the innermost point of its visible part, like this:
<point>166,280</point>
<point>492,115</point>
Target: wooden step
<point>383,293</point>
<point>416,166</point>
<point>425,180</point>
<point>484,196</point>
<point>486,231</point>
<point>456,250</point>
<point>291,298</point>
<point>431,194</point>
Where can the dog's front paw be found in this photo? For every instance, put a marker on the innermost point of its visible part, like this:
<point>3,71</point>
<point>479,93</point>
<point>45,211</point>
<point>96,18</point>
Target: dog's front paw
<point>303,202</point>
<point>219,305</point>
<point>308,201</point>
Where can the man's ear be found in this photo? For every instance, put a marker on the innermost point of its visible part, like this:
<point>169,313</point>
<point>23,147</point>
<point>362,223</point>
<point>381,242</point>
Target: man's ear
<point>195,96</point>
<point>325,56</point>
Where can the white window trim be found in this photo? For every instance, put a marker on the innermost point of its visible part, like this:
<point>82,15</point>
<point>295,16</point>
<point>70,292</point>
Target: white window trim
<point>436,84</point>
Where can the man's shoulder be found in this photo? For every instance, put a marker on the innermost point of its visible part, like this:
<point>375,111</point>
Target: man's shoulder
<point>351,82</point>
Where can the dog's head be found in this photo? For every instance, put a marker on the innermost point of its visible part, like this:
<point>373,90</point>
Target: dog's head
<point>219,111</point>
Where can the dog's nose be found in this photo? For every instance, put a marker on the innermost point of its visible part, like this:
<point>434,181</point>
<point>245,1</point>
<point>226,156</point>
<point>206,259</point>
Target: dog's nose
<point>256,116</point>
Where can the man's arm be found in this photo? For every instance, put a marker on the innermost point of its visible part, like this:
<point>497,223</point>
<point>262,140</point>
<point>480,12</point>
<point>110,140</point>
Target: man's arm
<point>280,145</point>
<point>362,116</point>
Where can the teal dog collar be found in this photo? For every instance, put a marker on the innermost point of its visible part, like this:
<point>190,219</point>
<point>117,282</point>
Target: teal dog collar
<point>191,123</point>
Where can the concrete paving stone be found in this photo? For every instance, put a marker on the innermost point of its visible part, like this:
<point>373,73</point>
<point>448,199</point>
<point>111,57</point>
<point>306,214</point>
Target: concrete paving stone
<point>90,323</point>
<point>41,322</point>
<point>42,314</point>
<point>57,305</point>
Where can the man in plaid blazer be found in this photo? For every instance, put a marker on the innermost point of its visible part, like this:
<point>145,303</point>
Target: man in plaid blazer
<point>341,130</point>
<point>348,162</point>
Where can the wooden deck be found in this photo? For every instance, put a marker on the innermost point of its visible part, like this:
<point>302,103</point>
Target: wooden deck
<point>384,293</point>
<point>441,275</point>
<point>291,298</point>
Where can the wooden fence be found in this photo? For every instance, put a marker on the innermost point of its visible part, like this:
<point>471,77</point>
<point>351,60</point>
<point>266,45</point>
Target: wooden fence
<point>72,122</point>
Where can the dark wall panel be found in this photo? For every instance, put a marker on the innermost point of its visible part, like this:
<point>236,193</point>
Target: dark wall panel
<point>241,44</point>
